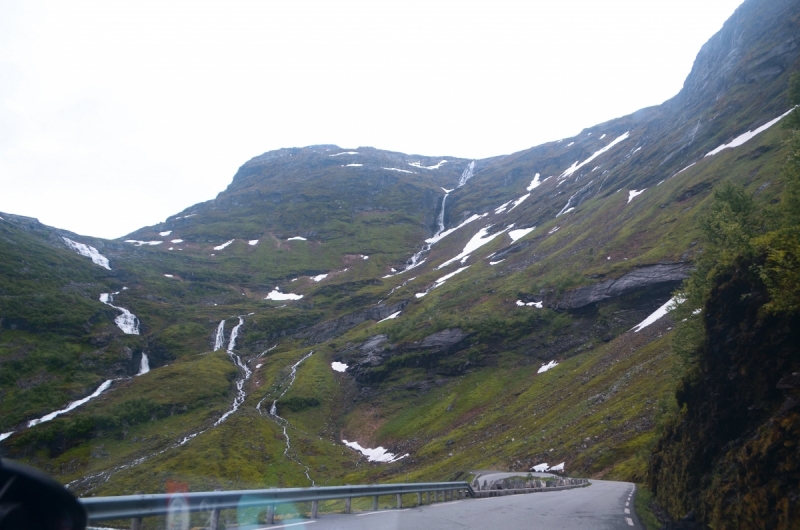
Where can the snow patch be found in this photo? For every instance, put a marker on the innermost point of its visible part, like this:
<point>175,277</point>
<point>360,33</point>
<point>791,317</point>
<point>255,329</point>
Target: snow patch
<point>390,317</point>
<point>541,468</point>
<point>520,201</point>
<point>89,252</point>
<point>604,135</point>
<point>379,454</point>
<point>671,304</point>
<point>522,232</point>
<point>477,241</point>
<point>354,165</point>
<point>345,153</point>
<point>75,404</point>
<point>749,135</point>
<point>537,305</point>
<point>169,275</point>
<point>546,367</point>
<point>419,165</point>
<point>5,434</point>
<point>222,246</point>
<point>253,242</point>
<point>400,170</point>
<point>277,295</point>
<point>439,237</point>
<point>320,277</point>
<point>559,467</point>
<point>632,194</point>
<point>502,208</point>
<point>338,367</point>
<point>165,234</point>
<point>496,262</point>
<point>176,241</point>
<point>297,238</point>
<point>140,243</point>
<point>576,166</point>
<point>535,183</point>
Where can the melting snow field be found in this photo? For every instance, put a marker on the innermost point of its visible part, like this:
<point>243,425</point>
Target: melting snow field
<point>320,277</point>
<point>5,434</point>
<point>537,305</point>
<point>89,252</point>
<point>546,367</point>
<point>632,194</point>
<point>749,135</point>
<point>520,201</point>
<point>541,468</point>
<point>75,404</point>
<point>165,234</point>
<point>477,241</point>
<point>522,232</point>
<point>338,367</point>
<point>277,295</point>
<point>127,321</point>
<point>140,243</point>
<point>576,166</point>
<point>222,246</point>
<point>439,237</point>
<point>297,238</point>
<point>378,454</point>
<point>535,183</point>
<point>419,165</point>
<point>559,467</point>
<point>390,317</point>
<point>658,313</point>
<point>176,241</point>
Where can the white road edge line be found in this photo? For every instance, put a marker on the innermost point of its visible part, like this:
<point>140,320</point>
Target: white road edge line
<point>629,521</point>
<point>444,503</point>
<point>627,510</point>
<point>382,511</point>
<point>285,525</point>
<point>627,504</point>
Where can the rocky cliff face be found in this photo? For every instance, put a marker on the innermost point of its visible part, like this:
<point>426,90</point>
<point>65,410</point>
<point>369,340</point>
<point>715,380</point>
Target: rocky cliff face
<point>732,457</point>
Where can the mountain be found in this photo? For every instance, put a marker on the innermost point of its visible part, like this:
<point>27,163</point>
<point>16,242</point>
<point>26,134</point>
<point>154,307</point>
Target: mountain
<point>483,308</point>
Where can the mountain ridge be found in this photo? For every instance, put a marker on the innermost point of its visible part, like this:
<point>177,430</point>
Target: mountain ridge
<point>538,259</point>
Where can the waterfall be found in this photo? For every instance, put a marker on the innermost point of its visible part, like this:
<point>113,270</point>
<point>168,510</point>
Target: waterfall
<point>219,339</point>
<point>467,174</point>
<point>240,392</point>
<point>144,365</point>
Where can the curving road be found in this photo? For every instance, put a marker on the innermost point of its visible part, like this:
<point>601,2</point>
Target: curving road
<point>601,506</point>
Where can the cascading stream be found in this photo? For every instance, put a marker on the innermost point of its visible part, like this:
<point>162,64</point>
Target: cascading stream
<point>237,402</point>
<point>219,339</point>
<point>283,422</point>
<point>416,260</point>
<point>240,392</point>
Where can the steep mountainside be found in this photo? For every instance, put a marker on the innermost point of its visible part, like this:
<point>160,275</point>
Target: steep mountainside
<point>483,309</point>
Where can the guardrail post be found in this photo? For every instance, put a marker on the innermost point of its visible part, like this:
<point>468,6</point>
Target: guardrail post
<point>347,505</point>
<point>214,522</point>
<point>399,501</point>
<point>314,506</point>
<point>136,523</point>
<point>429,497</point>
<point>271,514</point>
<point>419,498</point>
<point>375,503</point>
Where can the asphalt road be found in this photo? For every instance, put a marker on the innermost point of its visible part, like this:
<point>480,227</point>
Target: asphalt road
<point>600,506</point>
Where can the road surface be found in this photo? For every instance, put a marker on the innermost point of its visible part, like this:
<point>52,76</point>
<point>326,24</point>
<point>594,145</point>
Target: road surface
<point>602,505</point>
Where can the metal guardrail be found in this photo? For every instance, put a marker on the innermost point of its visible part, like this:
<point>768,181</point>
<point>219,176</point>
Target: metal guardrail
<point>139,506</point>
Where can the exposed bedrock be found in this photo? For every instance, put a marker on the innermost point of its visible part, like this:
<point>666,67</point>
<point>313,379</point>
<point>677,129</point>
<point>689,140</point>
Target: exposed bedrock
<point>333,328</point>
<point>641,277</point>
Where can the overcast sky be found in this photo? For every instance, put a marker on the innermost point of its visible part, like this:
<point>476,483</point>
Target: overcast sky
<point>114,115</point>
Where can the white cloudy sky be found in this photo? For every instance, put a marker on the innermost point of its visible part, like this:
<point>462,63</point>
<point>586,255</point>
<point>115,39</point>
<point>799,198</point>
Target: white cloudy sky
<point>114,115</point>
